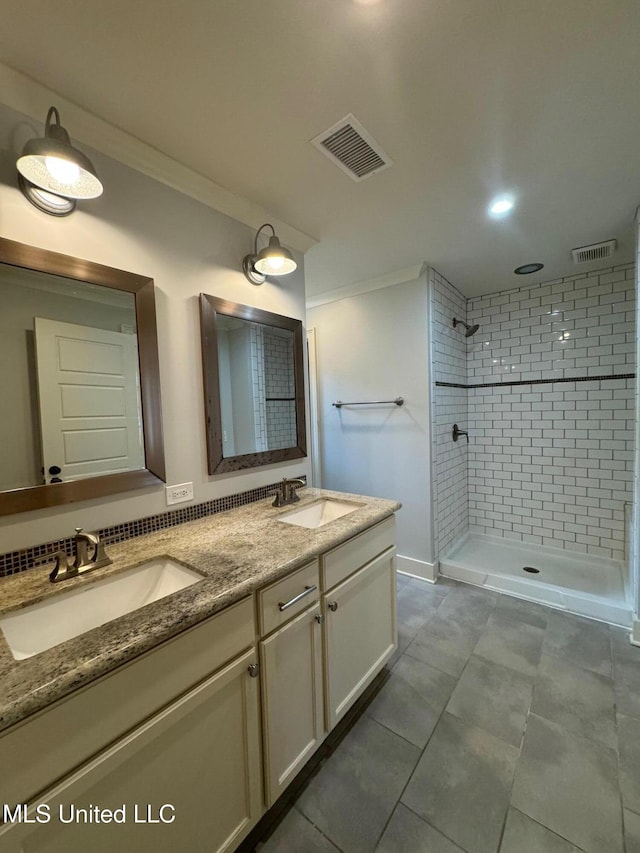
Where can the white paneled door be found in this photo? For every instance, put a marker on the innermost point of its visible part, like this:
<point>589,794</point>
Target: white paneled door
<point>90,410</point>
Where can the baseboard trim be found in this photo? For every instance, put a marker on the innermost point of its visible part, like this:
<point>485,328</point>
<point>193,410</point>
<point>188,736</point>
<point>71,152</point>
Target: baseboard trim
<point>418,568</point>
<point>635,632</point>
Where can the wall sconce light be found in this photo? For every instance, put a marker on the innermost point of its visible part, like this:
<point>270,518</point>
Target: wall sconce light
<point>272,260</point>
<point>52,174</point>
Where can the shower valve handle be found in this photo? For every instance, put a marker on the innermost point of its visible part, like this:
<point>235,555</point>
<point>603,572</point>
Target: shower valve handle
<point>456,433</point>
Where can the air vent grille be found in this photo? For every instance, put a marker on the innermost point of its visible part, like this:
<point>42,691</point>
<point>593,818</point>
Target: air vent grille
<point>352,149</point>
<point>595,252</point>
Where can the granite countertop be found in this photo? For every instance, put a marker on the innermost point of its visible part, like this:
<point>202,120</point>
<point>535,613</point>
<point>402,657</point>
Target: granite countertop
<point>236,551</point>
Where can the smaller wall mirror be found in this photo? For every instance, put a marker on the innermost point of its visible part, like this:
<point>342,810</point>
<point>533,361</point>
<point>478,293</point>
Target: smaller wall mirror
<point>80,380</point>
<point>254,385</point>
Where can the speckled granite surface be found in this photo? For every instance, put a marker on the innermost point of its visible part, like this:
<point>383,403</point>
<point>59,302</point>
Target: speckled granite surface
<point>236,552</point>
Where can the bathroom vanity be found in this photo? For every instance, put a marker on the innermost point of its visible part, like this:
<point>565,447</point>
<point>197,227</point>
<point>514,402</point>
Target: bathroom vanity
<point>178,725</point>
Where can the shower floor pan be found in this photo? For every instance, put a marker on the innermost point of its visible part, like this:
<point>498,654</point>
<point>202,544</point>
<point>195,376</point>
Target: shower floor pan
<point>589,586</point>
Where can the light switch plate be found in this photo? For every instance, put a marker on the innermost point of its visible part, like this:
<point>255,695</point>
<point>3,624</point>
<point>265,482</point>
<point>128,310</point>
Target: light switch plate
<point>179,494</point>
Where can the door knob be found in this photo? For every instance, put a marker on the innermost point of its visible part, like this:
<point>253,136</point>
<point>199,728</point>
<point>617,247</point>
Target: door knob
<point>333,606</point>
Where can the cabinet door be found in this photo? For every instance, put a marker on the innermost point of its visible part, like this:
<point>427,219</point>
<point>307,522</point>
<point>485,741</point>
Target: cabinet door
<point>291,699</point>
<point>196,764</point>
<point>360,632</point>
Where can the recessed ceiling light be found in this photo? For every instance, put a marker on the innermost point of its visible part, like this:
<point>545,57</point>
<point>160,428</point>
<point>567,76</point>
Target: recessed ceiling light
<point>501,205</point>
<point>527,269</point>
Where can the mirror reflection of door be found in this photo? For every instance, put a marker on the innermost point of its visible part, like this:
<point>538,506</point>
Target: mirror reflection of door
<point>89,400</point>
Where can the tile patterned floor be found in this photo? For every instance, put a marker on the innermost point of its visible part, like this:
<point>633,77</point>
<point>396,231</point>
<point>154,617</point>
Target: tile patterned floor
<point>504,726</point>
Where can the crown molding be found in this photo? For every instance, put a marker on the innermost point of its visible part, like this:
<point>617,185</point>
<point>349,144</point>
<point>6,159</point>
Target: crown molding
<point>379,283</point>
<point>26,95</point>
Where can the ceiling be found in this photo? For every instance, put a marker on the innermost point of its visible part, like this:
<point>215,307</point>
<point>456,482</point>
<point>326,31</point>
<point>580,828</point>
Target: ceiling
<point>470,98</point>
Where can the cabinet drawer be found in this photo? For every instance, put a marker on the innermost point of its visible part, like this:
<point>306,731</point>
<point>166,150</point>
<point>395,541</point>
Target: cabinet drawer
<point>50,744</point>
<point>287,597</point>
<point>346,558</point>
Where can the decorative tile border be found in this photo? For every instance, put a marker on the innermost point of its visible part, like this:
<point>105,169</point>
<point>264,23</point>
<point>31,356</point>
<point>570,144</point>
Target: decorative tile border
<point>14,562</point>
<point>601,378</point>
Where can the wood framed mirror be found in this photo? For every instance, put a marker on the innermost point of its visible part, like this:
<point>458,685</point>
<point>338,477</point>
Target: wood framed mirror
<point>81,380</point>
<point>253,385</point>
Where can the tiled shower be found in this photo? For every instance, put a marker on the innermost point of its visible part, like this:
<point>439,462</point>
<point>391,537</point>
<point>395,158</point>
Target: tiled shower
<point>546,391</point>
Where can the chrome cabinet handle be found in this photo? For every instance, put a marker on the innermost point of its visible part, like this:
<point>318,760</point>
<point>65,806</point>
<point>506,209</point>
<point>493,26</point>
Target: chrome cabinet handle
<point>319,618</point>
<point>254,669</point>
<point>296,598</point>
<point>333,606</point>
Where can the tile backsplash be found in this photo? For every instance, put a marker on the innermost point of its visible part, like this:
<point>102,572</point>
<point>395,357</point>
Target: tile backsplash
<point>26,558</point>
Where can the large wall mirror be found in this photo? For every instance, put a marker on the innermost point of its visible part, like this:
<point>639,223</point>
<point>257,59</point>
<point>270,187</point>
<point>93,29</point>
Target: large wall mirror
<point>80,381</point>
<point>254,385</point>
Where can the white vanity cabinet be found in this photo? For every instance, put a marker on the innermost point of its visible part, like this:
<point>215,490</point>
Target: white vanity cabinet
<point>291,676</point>
<point>359,607</point>
<point>196,759</point>
<point>189,743</point>
<point>315,665</point>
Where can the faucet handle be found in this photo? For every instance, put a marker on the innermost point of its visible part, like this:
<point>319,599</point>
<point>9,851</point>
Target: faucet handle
<point>62,569</point>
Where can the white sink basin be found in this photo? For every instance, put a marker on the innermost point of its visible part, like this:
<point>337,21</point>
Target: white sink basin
<point>47,623</point>
<point>319,513</point>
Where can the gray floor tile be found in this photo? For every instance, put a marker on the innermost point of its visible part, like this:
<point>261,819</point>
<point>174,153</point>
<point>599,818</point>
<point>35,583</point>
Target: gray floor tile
<point>494,698</point>
<point>354,793</point>
<point>629,745</point>
<point>626,666</point>
<point>414,608</point>
<point>623,650</point>
<point>444,644</point>
<point>570,785</point>
<point>405,638</point>
<point>582,641</point>
<point>470,607</point>
<point>632,831</point>
<point>523,611</point>
<point>435,592</point>
<point>513,644</point>
<point>296,835</point>
<point>523,835</point>
<point>411,701</point>
<point>579,700</point>
<point>408,833</point>
<point>461,784</point>
<point>627,689</point>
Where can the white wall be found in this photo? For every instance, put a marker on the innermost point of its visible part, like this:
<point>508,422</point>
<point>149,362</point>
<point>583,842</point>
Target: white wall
<point>375,347</point>
<point>144,227</point>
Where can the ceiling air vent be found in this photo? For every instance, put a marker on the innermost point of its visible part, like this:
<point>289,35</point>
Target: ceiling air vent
<point>595,252</point>
<point>352,149</point>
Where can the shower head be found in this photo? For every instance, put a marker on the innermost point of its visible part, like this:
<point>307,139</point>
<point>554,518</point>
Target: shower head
<point>471,330</point>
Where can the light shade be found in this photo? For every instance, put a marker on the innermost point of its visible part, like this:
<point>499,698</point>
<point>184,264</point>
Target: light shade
<point>52,164</point>
<point>272,260</point>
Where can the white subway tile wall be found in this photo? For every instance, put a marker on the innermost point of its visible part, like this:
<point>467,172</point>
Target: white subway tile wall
<point>582,325</point>
<point>280,389</point>
<point>451,498</point>
<point>552,464</point>
<point>256,339</point>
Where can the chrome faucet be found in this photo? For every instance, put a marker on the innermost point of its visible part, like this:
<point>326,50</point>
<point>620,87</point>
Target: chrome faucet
<point>83,562</point>
<point>286,493</point>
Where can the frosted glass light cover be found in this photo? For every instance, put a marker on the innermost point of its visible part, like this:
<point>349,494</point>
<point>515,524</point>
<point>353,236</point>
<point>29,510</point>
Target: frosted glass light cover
<point>275,266</point>
<point>34,168</point>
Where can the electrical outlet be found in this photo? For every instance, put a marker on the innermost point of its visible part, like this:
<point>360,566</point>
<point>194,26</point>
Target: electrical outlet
<point>179,494</point>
